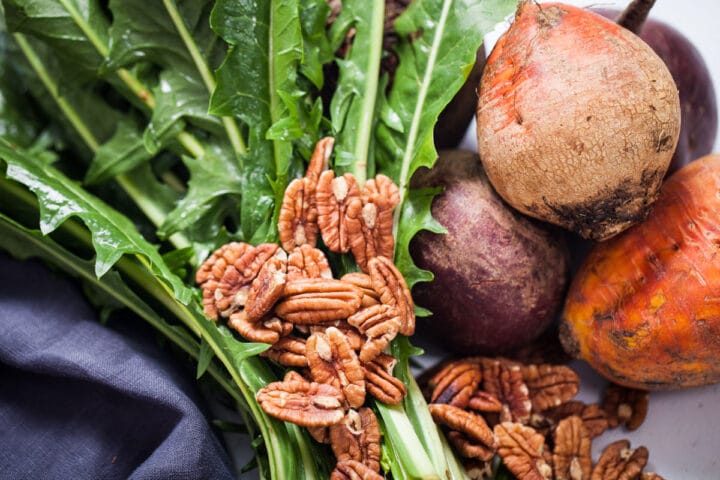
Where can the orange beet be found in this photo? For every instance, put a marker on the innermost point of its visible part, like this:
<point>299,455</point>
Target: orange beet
<point>644,308</point>
<point>577,120</point>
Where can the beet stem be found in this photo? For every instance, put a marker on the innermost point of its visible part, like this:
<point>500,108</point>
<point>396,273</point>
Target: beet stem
<point>635,14</point>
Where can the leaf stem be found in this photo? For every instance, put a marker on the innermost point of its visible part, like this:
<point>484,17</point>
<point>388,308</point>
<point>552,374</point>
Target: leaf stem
<point>51,86</point>
<point>415,122</point>
<point>231,126</point>
<point>409,449</point>
<point>372,72</point>
<point>136,87</point>
<point>99,45</point>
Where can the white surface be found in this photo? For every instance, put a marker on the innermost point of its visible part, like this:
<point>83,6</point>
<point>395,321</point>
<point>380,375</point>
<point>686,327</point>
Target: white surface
<point>682,429</point>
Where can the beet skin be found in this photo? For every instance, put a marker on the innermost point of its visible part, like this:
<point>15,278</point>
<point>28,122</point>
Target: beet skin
<point>500,277</point>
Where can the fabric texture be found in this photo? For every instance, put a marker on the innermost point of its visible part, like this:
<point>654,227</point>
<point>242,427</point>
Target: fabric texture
<point>79,400</point>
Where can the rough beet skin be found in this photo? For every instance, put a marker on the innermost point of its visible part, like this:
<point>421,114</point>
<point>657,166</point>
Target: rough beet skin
<point>499,276</point>
<point>698,104</point>
<point>577,120</point>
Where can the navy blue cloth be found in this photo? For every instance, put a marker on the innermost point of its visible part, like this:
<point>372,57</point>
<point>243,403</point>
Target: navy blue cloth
<point>79,400</point>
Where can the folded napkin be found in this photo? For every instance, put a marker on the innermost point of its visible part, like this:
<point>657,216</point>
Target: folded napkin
<point>79,400</point>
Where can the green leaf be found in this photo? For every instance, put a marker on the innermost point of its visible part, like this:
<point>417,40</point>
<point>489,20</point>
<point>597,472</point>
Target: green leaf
<point>204,359</point>
<point>123,152</point>
<point>263,60</point>
<point>143,31</point>
<point>415,216</point>
<point>178,260</point>
<point>212,177</point>
<point>112,233</point>
<point>242,351</point>
<point>181,96</point>
<point>316,45</point>
<point>17,122</point>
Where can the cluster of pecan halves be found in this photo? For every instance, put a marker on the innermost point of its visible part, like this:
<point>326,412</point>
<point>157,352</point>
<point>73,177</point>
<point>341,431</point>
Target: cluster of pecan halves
<point>335,331</point>
<point>524,413</point>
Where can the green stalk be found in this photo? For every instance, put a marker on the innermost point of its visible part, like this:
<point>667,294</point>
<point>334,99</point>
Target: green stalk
<point>231,127</point>
<point>146,204</point>
<point>372,70</point>
<point>409,451</point>
<point>51,87</point>
<point>428,432</point>
<point>456,471</point>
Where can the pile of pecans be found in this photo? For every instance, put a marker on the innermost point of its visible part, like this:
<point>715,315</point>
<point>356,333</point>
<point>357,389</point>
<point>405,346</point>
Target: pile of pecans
<point>335,331</point>
<point>525,414</point>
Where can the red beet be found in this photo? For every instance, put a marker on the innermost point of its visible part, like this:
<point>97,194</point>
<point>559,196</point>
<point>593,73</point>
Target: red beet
<point>499,275</point>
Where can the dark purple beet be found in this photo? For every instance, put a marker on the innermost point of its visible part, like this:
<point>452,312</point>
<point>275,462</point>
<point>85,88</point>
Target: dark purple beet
<point>699,118</point>
<point>500,277</point>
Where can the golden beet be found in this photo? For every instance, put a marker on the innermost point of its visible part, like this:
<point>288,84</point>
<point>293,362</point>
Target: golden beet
<point>577,120</point>
<point>644,308</point>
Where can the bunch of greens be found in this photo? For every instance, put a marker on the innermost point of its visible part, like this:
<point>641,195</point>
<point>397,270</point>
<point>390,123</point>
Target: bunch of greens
<point>137,137</point>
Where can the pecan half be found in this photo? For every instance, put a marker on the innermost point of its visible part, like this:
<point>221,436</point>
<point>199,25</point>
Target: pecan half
<point>550,385</point>
<point>297,222</point>
<point>288,351</point>
<point>357,437</point>
<point>317,300</point>
<point>354,337</point>
<point>380,323</point>
<point>482,401</point>
<point>571,455</point>
<point>521,450</point>
<point>266,330</point>
<point>225,275</point>
<point>624,406</point>
<point>468,448</point>
<point>389,283</point>
<point>354,470</point>
<point>380,382</point>
<point>304,403</point>
<point>469,433</point>
<point>333,361</point>
<point>364,283</point>
<point>503,379</point>
<point>456,383</point>
<point>307,262</point>
<point>619,462</point>
<point>267,287</point>
<point>381,191</point>
<point>339,207</point>
<point>319,160</point>
<point>379,197</point>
